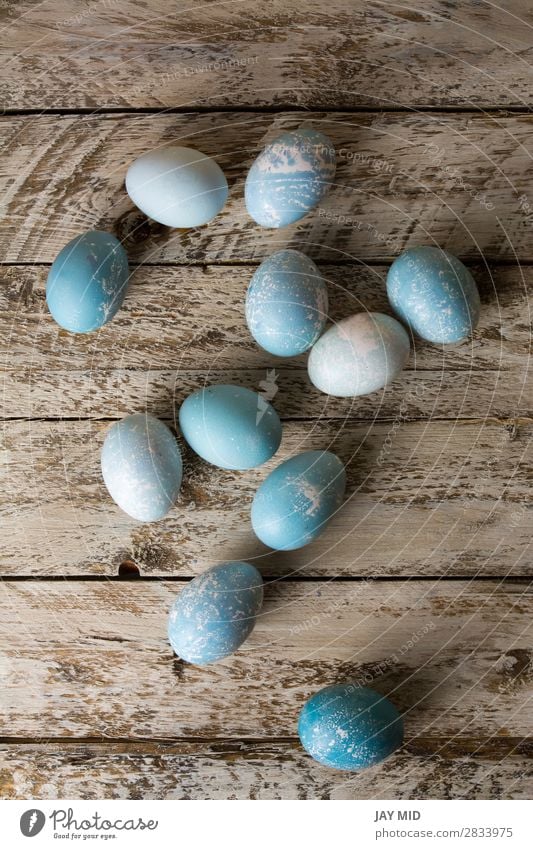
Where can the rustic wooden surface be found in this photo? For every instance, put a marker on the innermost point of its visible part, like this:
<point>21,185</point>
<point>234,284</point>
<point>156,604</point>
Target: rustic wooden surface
<point>421,585</point>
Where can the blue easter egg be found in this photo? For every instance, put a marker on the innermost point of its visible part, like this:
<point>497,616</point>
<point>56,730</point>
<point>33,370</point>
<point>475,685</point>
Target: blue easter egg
<point>290,177</point>
<point>215,613</point>
<point>177,186</point>
<point>294,504</point>
<point>230,426</point>
<point>87,282</point>
<point>349,727</point>
<point>435,294</point>
<point>360,354</point>
<point>142,467</point>
<point>287,304</point>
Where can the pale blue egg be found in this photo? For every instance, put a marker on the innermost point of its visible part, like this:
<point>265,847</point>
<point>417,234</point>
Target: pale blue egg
<point>290,177</point>
<point>230,426</point>
<point>287,304</point>
<point>142,467</point>
<point>215,613</point>
<point>435,294</point>
<point>360,354</point>
<point>350,727</point>
<point>294,504</point>
<point>177,186</point>
<point>87,282</point>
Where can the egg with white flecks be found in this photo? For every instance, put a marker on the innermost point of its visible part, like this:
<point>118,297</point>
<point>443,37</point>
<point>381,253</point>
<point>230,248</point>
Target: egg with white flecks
<point>87,282</point>
<point>230,426</point>
<point>215,613</point>
<point>359,355</point>
<point>435,294</point>
<point>177,186</point>
<point>142,466</point>
<point>350,727</point>
<point>287,304</point>
<point>293,506</point>
<point>290,177</point>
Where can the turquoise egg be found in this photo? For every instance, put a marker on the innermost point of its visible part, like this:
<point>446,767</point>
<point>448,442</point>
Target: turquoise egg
<point>435,294</point>
<point>290,177</point>
<point>142,467</point>
<point>294,504</point>
<point>87,282</point>
<point>287,304</point>
<point>215,613</point>
<point>360,354</point>
<point>230,426</point>
<point>177,186</point>
<point>349,727</point>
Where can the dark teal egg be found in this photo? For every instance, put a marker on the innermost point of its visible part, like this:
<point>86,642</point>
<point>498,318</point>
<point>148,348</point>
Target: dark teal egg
<point>350,727</point>
<point>87,282</point>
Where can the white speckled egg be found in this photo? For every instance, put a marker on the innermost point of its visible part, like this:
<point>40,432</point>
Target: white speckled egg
<point>287,304</point>
<point>215,613</point>
<point>290,177</point>
<point>360,354</point>
<point>177,186</point>
<point>142,467</point>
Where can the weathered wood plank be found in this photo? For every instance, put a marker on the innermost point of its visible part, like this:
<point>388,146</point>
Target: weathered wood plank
<point>236,769</point>
<point>461,181</point>
<point>348,52</point>
<point>91,659</point>
<point>437,498</point>
<point>192,320</point>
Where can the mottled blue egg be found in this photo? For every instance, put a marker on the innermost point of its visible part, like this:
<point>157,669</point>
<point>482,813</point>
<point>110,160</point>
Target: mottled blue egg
<point>290,177</point>
<point>142,467</point>
<point>215,613</point>
<point>349,727</point>
<point>435,294</point>
<point>230,426</point>
<point>294,504</point>
<point>87,282</point>
<point>360,354</point>
<point>177,186</point>
<point>287,304</point>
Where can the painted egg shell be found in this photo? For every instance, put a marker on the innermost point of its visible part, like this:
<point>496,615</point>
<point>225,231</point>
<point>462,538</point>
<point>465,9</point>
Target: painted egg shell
<point>290,177</point>
<point>359,355</point>
<point>87,282</point>
<point>294,504</point>
<point>287,304</point>
<point>215,612</point>
<point>349,727</point>
<point>177,186</point>
<point>142,467</point>
<point>435,294</point>
<point>230,426</point>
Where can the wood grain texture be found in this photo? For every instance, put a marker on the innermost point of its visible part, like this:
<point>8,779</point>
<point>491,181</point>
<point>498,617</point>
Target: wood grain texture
<point>92,660</point>
<point>238,769</point>
<point>102,54</point>
<point>423,498</point>
<point>181,328</point>
<point>461,181</point>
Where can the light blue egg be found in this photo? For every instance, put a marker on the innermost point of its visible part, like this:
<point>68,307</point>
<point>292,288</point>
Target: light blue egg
<point>294,504</point>
<point>360,354</point>
<point>87,282</point>
<point>290,177</point>
<point>177,186</point>
<point>287,304</point>
<point>215,613</point>
<point>230,426</point>
<point>435,294</point>
<point>142,467</point>
<point>349,727</point>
